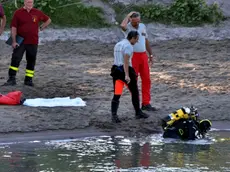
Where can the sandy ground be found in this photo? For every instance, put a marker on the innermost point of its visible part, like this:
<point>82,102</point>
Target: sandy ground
<point>184,73</point>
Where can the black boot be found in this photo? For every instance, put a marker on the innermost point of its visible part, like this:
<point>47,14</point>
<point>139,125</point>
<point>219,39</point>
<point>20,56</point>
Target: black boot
<point>28,81</point>
<point>141,114</point>
<point>114,108</point>
<point>11,81</point>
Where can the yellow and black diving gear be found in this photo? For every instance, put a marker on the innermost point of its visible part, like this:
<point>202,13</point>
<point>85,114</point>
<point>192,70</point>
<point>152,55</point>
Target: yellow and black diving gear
<point>184,123</point>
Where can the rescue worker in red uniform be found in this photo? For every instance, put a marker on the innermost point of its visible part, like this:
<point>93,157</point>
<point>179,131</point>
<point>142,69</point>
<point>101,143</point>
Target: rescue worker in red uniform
<point>140,59</point>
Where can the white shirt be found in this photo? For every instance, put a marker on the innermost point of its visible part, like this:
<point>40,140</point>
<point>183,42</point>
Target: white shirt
<point>140,46</point>
<point>121,49</point>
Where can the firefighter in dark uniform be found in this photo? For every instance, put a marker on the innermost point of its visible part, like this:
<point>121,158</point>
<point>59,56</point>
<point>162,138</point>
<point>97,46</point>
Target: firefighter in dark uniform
<point>25,23</point>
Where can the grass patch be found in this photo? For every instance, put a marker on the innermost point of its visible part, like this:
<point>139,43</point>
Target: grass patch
<point>64,13</point>
<point>79,16</point>
<point>181,12</point>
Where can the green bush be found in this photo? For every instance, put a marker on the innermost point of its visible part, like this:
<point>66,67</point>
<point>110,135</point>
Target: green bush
<point>194,12</point>
<point>79,16</point>
<point>154,12</point>
<point>64,13</point>
<point>184,12</point>
<point>48,5</point>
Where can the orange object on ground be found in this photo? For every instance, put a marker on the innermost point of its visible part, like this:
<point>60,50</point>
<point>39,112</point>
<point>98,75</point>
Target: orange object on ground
<point>12,98</point>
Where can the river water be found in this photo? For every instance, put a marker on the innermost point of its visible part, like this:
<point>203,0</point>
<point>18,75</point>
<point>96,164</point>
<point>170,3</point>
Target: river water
<point>118,153</point>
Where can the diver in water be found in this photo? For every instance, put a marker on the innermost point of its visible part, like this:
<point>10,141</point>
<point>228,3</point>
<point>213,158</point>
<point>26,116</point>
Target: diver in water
<point>185,124</point>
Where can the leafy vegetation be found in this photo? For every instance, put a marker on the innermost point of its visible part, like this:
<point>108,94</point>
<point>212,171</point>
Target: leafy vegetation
<point>72,13</point>
<point>184,12</point>
<point>66,13</point>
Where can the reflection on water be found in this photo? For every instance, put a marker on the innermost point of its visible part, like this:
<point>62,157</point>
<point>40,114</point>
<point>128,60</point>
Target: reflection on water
<point>118,153</point>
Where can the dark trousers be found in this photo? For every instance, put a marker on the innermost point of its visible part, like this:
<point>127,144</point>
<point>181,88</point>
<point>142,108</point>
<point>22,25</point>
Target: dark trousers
<point>31,53</point>
<point>118,75</point>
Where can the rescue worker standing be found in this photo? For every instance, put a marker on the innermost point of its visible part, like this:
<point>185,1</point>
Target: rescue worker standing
<point>25,23</point>
<point>123,74</point>
<point>2,20</point>
<point>140,58</point>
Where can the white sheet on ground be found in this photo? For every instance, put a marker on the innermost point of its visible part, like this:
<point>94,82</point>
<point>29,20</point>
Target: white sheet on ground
<point>53,102</point>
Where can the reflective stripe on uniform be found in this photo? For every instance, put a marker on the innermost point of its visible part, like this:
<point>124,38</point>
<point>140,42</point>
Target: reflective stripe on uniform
<point>29,73</point>
<point>206,121</point>
<point>14,68</point>
<point>181,131</point>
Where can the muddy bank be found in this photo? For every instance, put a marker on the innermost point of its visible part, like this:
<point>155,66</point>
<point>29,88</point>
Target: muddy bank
<point>12,138</point>
<point>156,32</point>
<point>18,137</point>
<point>185,72</point>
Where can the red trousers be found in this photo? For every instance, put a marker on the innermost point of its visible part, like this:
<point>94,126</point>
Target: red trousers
<point>141,66</point>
